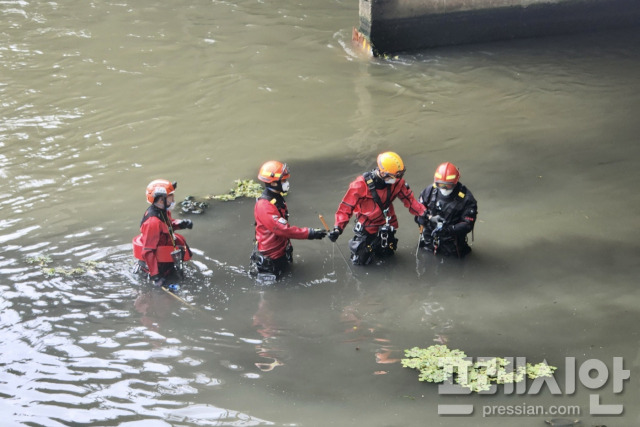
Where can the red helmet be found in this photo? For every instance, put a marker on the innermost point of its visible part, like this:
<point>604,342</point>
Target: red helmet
<point>273,171</point>
<point>158,188</point>
<point>446,176</point>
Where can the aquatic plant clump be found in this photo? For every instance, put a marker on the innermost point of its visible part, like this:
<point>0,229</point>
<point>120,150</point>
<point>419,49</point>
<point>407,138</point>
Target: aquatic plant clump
<point>244,188</point>
<point>44,260</point>
<point>438,363</point>
<point>41,260</point>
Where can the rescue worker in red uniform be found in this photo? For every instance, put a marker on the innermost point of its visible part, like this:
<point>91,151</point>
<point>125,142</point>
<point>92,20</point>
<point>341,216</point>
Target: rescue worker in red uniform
<point>273,250</point>
<point>451,213</point>
<point>157,230</point>
<point>370,197</point>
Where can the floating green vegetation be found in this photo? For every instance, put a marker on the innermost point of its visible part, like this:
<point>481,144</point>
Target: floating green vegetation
<point>41,260</point>
<point>63,271</point>
<point>438,363</point>
<point>44,260</point>
<point>244,188</point>
<point>83,268</point>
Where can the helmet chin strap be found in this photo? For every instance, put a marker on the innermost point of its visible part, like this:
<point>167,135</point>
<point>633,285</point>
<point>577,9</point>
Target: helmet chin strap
<point>274,190</point>
<point>388,181</point>
<point>164,202</point>
<point>277,189</point>
<point>165,207</point>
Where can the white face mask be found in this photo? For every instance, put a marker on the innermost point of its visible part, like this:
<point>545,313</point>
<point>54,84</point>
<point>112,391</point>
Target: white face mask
<point>390,181</point>
<point>170,207</point>
<point>445,192</point>
<point>285,187</point>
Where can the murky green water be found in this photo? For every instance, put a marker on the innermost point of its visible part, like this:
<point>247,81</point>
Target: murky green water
<point>99,98</point>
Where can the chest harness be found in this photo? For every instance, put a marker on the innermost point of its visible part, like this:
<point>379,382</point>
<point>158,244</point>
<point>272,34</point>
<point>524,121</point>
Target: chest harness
<point>386,233</point>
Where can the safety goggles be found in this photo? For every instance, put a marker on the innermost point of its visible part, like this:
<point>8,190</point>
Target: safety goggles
<point>445,185</point>
<point>397,175</point>
<point>285,173</point>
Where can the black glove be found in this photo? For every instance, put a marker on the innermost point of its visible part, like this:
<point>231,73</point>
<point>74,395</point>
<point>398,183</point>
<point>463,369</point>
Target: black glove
<point>438,230</point>
<point>335,233</point>
<point>443,231</point>
<point>436,219</point>
<point>158,280</point>
<point>424,219</point>
<point>186,223</point>
<point>448,230</point>
<point>316,234</point>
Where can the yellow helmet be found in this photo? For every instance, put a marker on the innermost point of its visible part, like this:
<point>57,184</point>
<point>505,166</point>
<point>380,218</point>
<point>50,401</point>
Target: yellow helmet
<point>390,164</point>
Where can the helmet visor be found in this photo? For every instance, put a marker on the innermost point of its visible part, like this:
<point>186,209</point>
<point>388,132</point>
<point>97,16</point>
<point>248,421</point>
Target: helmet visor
<point>445,185</point>
<point>285,172</point>
<point>397,175</point>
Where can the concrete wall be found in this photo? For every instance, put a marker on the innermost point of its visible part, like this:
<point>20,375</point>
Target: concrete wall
<point>404,25</point>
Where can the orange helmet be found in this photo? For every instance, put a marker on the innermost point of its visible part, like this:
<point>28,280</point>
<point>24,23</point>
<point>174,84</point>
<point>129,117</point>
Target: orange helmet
<point>273,171</point>
<point>446,176</point>
<point>158,188</point>
<point>390,164</point>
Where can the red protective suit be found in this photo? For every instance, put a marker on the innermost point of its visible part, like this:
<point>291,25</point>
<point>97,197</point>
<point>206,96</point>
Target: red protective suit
<point>155,233</point>
<point>358,200</point>
<point>273,231</point>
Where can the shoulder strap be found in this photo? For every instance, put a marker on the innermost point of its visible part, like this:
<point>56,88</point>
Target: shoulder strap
<point>160,214</point>
<point>433,194</point>
<point>369,180</point>
<point>462,192</point>
<point>151,212</point>
<point>276,201</point>
<point>266,195</point>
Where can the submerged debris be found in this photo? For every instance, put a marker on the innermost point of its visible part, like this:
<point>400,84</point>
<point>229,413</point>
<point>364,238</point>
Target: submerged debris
<point>562,422</point>
<point>192,206</point>
<point>243,188</point>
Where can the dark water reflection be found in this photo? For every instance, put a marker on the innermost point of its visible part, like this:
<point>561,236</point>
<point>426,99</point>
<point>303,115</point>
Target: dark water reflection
<point>98,99</point>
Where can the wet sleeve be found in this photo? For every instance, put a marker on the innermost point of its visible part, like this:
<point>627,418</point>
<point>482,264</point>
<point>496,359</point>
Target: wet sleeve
<point>270,218</point>
<point>175,223</point>
<point>150,230</point>
<point>352,197</point>
<point>421,219</point>
<point>406,196</point>
<point>468,216</point>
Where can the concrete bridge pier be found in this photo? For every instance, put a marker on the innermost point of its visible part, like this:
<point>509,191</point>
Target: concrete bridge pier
<point>388,26</point>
